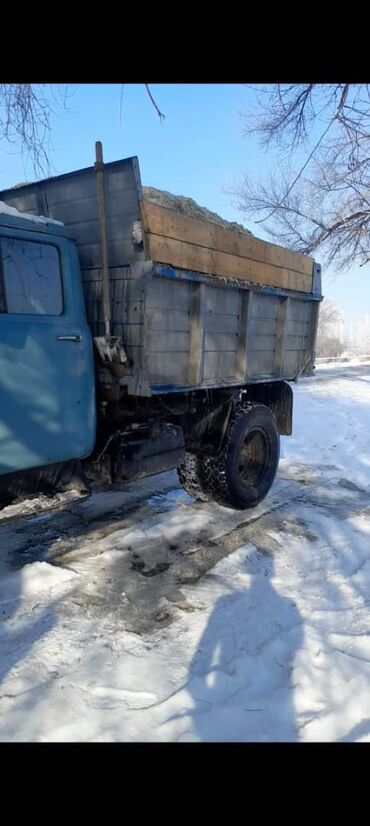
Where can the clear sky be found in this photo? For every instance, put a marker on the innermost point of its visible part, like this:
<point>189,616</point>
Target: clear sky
<point>199,151</point>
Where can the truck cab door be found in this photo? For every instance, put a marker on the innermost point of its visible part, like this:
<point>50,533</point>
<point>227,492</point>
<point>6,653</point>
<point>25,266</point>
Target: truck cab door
<point>47,395</point>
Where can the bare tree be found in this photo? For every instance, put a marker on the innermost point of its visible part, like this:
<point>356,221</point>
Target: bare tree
<point>318,197</point>
<point>26,110</point>
<point>155,105</point>
<point>364,334</point>
<point>330,330</point>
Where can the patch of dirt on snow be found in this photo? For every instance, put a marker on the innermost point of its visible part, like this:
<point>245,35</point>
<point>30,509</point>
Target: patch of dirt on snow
<point>134,565</point>
<point>139,582</point>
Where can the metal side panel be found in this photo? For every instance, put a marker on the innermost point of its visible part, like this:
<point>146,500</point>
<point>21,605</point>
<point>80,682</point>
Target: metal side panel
<point>72,198</point>
<point>199,332</point>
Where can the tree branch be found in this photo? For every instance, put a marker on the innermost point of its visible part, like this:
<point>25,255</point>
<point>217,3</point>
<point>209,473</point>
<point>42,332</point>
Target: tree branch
<point>159,113</point>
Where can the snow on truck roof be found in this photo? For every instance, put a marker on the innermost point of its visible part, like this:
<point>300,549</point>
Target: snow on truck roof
<point>5,209</point>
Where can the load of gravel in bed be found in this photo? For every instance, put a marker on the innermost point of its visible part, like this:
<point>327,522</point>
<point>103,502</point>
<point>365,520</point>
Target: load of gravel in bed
<point>187,206</point>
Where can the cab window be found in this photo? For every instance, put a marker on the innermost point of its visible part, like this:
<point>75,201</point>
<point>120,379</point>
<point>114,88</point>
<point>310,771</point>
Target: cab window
<point>32,279</point>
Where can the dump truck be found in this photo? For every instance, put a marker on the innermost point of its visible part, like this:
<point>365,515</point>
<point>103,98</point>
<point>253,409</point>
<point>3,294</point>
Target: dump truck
<point>135,339</point>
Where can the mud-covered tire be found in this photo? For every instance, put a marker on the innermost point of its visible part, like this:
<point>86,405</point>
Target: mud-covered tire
<point>242,474</point>
<point>191,477</point>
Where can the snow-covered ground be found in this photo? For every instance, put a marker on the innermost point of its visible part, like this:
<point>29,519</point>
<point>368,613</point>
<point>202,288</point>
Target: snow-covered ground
<point>142,615</point>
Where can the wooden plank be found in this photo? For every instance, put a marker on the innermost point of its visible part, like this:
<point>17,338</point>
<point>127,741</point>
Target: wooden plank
<point>196,352</point>
<point>193,257</point>
<point>168,223</point>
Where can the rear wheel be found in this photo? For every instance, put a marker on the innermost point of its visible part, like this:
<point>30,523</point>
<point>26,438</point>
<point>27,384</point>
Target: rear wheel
<point>242,474</point>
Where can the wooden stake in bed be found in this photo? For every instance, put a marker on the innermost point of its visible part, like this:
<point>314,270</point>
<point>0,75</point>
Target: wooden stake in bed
<point>110,348</point>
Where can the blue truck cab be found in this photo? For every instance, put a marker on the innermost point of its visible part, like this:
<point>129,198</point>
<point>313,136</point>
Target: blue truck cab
<point>47,385</point>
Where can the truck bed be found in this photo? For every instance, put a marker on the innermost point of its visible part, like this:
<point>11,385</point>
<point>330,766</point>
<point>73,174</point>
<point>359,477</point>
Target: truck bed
<point>197,305</point>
